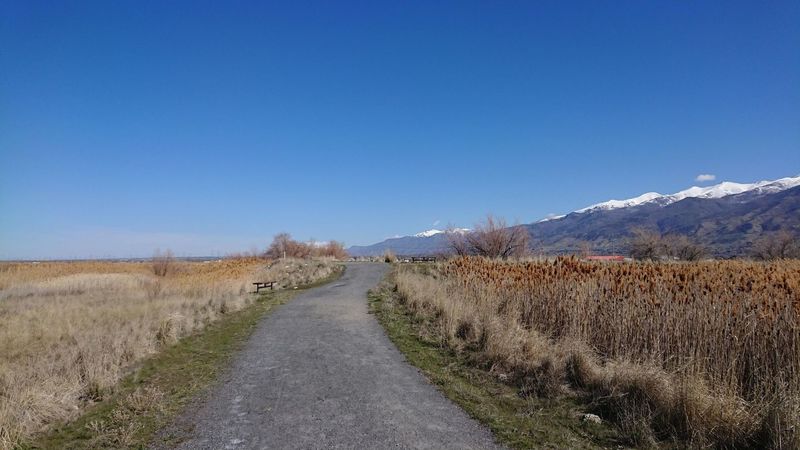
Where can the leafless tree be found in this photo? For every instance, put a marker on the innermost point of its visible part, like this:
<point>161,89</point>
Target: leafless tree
<point>646,245</point>
<point>492,238</point>
<point>780,245</point>
<point>280,242</point>
<point>162,262</point>
<point>331,249</point>
<point>284,246</point>
<point>679,246</point>
<point>457,241</point>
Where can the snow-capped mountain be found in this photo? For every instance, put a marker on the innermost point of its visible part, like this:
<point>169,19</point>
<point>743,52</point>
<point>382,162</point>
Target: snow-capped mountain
<point>725,218</point>
<point>720,190</point>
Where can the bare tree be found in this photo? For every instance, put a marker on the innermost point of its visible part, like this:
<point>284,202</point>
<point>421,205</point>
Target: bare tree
<point>284,246</point>
<point>681,247</point>
<point>493,239</point>
<point>646,245</point>
<point>780,245</point>
<point>162,262</point>
<point>457,241</point>
<point>330,249</point>
<point>280,243</point>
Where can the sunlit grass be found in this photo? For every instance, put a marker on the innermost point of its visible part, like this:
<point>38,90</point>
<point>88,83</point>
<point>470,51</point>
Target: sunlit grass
<point>70,331</point>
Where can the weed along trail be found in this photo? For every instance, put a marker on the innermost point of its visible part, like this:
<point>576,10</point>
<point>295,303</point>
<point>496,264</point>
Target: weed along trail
<point>319,372</point>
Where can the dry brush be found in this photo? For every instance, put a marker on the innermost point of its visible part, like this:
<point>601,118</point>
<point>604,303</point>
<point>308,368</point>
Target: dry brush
<point>703,353</point>
<point>70,331</point>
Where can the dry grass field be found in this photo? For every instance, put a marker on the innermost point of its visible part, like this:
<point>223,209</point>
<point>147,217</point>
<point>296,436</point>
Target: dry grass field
<point>699,354</point>
<point>70,330</point>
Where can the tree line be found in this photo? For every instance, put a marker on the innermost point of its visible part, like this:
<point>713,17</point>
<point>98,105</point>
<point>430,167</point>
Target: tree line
<point>283,246</point>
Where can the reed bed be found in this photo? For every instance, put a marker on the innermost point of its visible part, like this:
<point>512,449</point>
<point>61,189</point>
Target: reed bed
<point>69,331</point>
<point>703,354</point>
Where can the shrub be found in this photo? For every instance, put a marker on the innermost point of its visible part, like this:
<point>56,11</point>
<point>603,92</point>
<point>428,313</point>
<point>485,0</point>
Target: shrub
<point>330,249</point>
<point>492,238</point>
<point>162,263</point>
<point>283,246</point>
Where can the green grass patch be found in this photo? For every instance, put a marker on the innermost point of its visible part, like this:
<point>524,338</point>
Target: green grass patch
<point>155,393</point>
<point>516,421</point>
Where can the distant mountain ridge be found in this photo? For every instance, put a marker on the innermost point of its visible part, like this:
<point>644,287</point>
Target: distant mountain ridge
<point>720,190</point>
<point>725,217</point>
<point>404,245</point>
<point>726,226</point>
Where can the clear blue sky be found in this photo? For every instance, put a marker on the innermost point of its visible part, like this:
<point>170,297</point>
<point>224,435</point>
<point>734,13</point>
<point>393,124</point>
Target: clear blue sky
<point>126,126</point>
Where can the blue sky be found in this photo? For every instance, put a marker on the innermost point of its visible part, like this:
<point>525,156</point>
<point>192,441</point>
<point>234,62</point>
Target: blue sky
<point>126,126</point>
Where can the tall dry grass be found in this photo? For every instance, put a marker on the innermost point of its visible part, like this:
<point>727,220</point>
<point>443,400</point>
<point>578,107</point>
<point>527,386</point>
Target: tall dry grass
<point>706,354</point>
<point>69,331</point>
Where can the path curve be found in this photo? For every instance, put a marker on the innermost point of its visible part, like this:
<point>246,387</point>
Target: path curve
<point>319,372</point>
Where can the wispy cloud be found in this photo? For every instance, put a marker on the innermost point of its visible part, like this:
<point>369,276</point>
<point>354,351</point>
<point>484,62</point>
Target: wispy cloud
<point>437,222</point>
<point>706,177</point>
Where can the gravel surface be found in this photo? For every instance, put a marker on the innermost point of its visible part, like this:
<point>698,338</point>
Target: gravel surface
<point>319,372</point>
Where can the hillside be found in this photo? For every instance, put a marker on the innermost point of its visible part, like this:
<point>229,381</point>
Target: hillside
<point>726,218</point>
<point>406,245</point>
<point>727,226</point>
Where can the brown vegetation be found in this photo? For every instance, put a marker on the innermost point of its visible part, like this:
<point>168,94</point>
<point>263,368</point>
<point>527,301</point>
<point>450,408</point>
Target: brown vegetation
<point>704,353</point>
<point>70,331</point>
<point>283,246</point>
<point>162,263</point>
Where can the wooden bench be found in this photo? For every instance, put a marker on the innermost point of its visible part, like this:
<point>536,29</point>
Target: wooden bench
<point>263,285</point>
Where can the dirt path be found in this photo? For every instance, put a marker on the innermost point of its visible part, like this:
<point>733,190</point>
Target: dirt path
<point>319,372</point>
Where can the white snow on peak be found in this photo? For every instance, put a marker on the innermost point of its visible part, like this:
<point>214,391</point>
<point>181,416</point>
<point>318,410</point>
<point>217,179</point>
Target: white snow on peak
<point>434,232</point>
<point>552,217</point>
<point>429,233</point>
<point>716,191</point>
<point>614,204</point>
<point>727,188</point>
<point>720,190</point>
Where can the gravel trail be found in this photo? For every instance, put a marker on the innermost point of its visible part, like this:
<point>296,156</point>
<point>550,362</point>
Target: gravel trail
<point>319,372</point>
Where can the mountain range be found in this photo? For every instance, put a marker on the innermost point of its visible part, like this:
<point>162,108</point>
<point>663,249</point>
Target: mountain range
<point>726,218</point>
